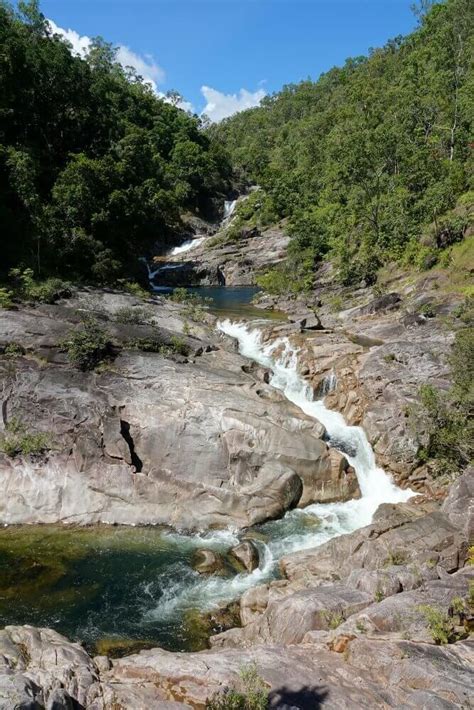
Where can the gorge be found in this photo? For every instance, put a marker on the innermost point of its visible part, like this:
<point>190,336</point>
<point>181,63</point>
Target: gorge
<point>236,372</point>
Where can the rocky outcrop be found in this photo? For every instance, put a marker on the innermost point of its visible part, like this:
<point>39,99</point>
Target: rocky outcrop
<point>370,366</point>
<point>216,262</point>
<point>246,555</point>
<point>192,441</point>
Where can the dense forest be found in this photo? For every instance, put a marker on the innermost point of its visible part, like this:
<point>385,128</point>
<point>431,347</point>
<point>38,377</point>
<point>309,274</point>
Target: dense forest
<point>368,163</point>
<point>94,167</point>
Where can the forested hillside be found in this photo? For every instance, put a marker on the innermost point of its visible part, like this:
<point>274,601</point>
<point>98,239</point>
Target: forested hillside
<point>94,167</point>
<point>369,161</point>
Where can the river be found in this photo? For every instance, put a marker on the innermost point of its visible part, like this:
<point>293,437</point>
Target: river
<point>138,584</point>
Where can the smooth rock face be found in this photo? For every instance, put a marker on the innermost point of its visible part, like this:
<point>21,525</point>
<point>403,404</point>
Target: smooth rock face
<point>207,562</point>
<point>193,443</point>
<point>458,506</point>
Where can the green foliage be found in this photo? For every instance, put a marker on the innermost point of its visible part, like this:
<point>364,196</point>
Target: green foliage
<point>334,619</point>
<point>427,310</point>
<point>17,441</point>
<point>47,291</point>
<point>440,625</point>
<point>88,346</point>
<point>447,416</point>
<point>93,165</point>
<point>129,314</point>
<point>13,350</point>
<point>6,297</point>
<point>465,311</point>
<point>174,346</point>
<point>282,279</point>
<point>252,693</point>
<point>395,557</point>
<point>134,289</point>
<point>371,156</point>
<point>177,346</point>
<point>194,305</point>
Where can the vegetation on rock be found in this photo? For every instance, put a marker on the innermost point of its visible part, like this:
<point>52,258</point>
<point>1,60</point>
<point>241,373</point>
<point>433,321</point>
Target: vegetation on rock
<point>17,441</point>
<point>252,695</point>
<point>88,347</point>
<point>448,415</point>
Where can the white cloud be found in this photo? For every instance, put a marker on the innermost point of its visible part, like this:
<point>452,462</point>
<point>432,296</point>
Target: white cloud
<point>80,45</point>
<point>145,66</point>
<point>221,105</point>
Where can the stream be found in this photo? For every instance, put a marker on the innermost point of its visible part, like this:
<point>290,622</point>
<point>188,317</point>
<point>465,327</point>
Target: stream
<point>128,585</point>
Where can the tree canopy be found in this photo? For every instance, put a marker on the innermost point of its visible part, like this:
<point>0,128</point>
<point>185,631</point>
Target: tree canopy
<point>94,167</point>
<point>362,160</point>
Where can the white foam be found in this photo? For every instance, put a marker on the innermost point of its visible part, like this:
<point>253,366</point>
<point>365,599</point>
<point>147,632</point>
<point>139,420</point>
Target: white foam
<point>186,246</point>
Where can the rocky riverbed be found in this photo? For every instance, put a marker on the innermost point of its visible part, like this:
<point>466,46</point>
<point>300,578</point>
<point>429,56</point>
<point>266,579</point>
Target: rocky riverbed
<point>197,437</point>
<point>356,622</point>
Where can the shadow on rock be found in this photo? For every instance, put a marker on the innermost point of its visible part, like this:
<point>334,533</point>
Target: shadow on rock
<point>305,698</point>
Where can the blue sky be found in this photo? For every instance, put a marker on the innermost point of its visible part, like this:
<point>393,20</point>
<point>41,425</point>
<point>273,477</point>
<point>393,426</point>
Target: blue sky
<point>237,49</point>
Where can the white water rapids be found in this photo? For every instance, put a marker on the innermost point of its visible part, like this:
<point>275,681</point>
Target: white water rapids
<point>299,529</point>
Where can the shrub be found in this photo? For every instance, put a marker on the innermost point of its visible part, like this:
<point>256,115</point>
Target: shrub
<point>129,315</point>
<point>465,311</point>
<point>6,297</point>
<point>13,350</point>
<point>251,695</point>
<point>395,558</point>
<point>88,347</point>
<point>175,345</point>
<point>334,619</point>
<point>284,279</point>
<point>18,442</point>
<point>439,624</point>
<point>134,288</point>
<point>447,416</point>
<point>48,291</point>
<point>427,310</point>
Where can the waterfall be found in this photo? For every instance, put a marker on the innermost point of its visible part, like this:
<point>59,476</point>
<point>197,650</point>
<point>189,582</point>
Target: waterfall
<point>375,485</point>
<point>299,529</point>
<point>329,383</point>
<point>229,207</point>
<point>186,246</point>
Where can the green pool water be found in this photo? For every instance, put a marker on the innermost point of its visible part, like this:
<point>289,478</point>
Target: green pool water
<point>100,585</point>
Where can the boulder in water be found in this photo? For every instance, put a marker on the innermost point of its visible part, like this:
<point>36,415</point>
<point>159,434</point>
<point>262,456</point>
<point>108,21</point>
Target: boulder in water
<point>246,554</point>
<point>208,562</point>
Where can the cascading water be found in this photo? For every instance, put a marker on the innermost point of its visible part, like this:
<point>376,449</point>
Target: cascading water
<point>301,528</point>
<point>187,246</point>
<point>229,207</point>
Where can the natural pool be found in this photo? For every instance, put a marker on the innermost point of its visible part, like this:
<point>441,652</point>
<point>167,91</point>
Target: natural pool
<point>99,584</point>
<point>230,301</point>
